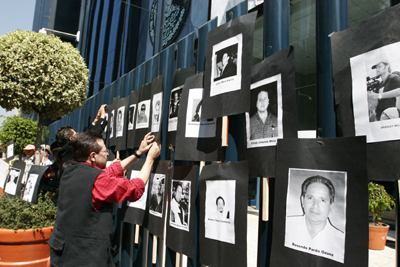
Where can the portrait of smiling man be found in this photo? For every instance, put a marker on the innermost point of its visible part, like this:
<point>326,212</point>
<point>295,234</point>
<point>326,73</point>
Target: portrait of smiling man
<point>313,231</point>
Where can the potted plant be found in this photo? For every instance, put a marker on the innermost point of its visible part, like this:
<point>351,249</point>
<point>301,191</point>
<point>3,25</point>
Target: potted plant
<point>379,202</point>
<point>24,230</point>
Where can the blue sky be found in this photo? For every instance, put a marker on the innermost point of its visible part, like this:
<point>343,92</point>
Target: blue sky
<point>14,15</point>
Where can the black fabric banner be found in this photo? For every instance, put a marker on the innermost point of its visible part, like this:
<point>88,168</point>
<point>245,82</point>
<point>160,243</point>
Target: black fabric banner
<point>121,123</point>
<point>112,122</point>
<point>174,102</point>
<point>143,114</point>
<point>229,55</point>
<point>132,118</point>
<point>110,125</point>
<point>12,185</point>
<point>135,212</point>
<point>321,196</point>
<point>366,66</point>
<point>272,95</point>
<point>157,197</point>
<point>199,140</point>
<point>223,214</point>
<point>31,189</point>
<point>157,106</point>
<point>106,128</point>
<point>181,212</point>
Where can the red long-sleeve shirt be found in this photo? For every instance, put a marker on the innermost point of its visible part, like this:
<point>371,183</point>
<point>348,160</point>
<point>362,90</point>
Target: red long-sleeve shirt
<point>111,186</point>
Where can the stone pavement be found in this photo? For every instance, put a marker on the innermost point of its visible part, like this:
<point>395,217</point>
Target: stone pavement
<point>386,257</point>
<point>377,258</point>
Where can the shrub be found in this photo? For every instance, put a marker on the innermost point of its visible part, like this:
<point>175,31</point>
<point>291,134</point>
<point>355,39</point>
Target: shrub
<point>16,213</point>
<point>379,201</point>
<point>22,130</point>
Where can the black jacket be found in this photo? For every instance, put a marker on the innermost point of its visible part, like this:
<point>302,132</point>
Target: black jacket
<point>82,236</point>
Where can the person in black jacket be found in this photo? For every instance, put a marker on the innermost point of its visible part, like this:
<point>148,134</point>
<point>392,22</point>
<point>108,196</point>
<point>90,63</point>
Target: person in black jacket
<point>65,134</point>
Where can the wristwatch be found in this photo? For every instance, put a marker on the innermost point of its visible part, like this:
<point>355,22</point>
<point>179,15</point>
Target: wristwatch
<point>135,154</point>
<point>379,96</point>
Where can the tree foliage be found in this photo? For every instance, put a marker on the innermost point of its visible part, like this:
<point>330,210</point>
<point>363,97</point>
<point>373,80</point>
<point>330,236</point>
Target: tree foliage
<point>40,73</point>
<point>22,130</point>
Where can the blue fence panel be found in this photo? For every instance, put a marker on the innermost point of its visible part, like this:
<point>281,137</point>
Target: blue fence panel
<point>76,119</point>
<point>202,43</point>
<point>138,77</point>
<point>185,57</point>
<point>128,85</point>
<point>96,106</point>
<point>109,94</point>
<point>102,99</point>
<point>118,87</point>
<point>62,122</point>
<point>151,69</point>
<point>82,121</point>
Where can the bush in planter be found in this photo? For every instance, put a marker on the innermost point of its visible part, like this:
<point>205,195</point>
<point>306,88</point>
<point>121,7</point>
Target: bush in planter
<point>379,201</point>
<point>16,213</point>
<point>20,247</point>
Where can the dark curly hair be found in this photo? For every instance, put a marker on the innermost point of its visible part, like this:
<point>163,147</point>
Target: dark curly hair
<point>63,134</point>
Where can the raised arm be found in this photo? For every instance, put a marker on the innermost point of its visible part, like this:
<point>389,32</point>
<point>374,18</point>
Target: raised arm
<point>145,145</point>
<point>154,152</point>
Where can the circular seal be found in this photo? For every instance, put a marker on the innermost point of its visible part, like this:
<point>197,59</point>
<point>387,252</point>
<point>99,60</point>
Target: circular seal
<point>175,13</point>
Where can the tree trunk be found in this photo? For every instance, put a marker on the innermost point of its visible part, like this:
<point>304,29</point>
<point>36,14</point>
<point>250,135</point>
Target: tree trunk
<point>39,138</point>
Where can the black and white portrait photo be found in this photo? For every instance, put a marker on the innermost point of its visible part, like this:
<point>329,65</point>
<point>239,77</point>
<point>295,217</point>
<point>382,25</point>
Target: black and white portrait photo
<point>174,102</point>
<point>141,202</point>
<point>120,121</point>
<point>220,210</point>
<point>316,212</point>
<point>10,150</point>
<point>111,123</point>
<point>376,93</point>
<point>226,74</point>
<point>143,114</point>
<point>30,187</point>
<point>226,65</point>
<point>157,187</point>
<point>157,108</point>
<point>131,121</point>
<point>180,205</point>
<point>264,121</point>
<point>12,181</point>
<point>195,126</point>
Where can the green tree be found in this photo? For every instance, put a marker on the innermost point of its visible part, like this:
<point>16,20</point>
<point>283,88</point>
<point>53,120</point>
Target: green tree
<point>22,130</point>
<point>40,73</point>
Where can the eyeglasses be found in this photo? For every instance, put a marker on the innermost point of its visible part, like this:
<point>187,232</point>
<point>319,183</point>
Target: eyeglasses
<point>105,151</point>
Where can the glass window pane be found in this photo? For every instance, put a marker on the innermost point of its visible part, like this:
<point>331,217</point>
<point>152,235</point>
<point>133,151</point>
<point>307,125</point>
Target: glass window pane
<point>302,37</point>
<point>360,10</point>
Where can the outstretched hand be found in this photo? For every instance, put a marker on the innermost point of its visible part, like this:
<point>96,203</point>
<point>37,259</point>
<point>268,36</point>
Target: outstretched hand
<point>101,113</point>
<point>146,143</point>
<point>154,151</point>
